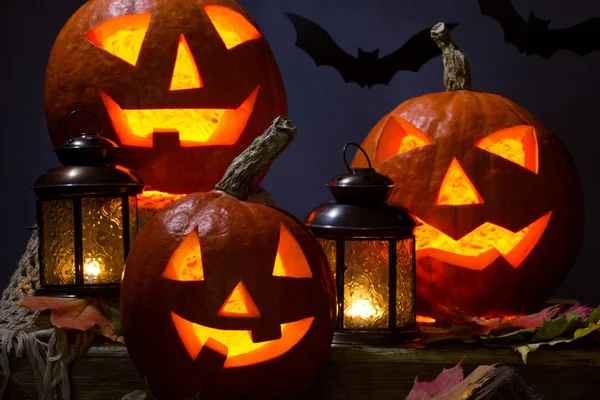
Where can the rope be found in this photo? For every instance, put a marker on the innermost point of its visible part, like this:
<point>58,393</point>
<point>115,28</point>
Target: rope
<point>28,333</point>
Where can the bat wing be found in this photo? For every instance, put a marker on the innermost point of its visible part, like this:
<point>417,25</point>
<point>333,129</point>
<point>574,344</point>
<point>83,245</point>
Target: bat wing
<point>581,39</point>
<point>419,49</point>
<point>513,25</point>
<point>321,47</point>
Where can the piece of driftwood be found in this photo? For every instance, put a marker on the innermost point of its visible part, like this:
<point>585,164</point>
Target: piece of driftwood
<point>560,372</point>
<point>492,382</point>
<point>506,383</point>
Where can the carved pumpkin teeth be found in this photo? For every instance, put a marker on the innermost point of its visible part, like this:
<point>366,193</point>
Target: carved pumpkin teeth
<point>196,127</point>
<point>240,349</point>
<point>480,247</point>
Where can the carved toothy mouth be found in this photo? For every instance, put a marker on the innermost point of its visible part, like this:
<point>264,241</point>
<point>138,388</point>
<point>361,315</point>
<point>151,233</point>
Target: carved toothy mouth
<point>237,345</point>
<point>482,246</point>
<point>196,127</point>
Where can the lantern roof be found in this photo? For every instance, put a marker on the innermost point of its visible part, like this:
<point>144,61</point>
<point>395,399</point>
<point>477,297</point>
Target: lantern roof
<point>359,209</point>
<point>88,168</point>
<point>336,219</point>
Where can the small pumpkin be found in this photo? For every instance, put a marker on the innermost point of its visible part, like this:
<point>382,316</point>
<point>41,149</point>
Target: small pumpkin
<point>183,85</point>
<point>229,296</point>
<point>498,196</point>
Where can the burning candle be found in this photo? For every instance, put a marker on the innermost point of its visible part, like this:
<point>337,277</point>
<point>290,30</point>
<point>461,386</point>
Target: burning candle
<point>91,270</point>
<point>362,309</point>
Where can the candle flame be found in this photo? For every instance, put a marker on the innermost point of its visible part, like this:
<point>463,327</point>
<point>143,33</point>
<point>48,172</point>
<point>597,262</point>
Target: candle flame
<point>91,268</point>
<point>361,308</point>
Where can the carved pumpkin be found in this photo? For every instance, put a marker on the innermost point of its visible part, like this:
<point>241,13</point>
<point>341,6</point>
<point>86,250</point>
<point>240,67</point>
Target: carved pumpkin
<point>183,86</point>
<point>497,194</point>
<point>227,295</point>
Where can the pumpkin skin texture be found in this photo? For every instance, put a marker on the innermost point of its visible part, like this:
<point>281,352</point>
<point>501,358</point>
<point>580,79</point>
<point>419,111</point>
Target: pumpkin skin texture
<point>196,84</point>
<point>499,198</point>
<point>238,271</point>
<point>504,274</point>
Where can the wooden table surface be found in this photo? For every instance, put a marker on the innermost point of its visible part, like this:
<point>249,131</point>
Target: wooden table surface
<point>561,372</point>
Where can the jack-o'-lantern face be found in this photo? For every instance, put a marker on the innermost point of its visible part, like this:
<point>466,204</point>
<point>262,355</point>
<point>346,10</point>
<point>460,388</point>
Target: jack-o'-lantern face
<point>182,86</point>
<point>241,347</point>
<point>493,190</point>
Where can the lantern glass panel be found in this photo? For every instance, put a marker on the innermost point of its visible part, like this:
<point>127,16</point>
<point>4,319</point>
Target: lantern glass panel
<point>133,219</point>
<point>103,252</point>
<point>59,238</point>
<point>366,284</point>
<point>329,247</point>
<point>405,270</point>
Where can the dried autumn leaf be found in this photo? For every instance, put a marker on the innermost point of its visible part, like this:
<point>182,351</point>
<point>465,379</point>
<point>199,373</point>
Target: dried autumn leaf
<point>462,326</point>
<point>444,382</point>
<point>82,314</point>
<point>551,332</point>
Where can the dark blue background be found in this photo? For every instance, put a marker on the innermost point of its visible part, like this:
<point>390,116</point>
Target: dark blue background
<point>562,91</point>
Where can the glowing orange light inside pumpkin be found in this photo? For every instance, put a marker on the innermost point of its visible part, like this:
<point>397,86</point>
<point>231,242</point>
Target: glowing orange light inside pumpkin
<point>156,200</point>
<point>185,263</point>
<point>506,317</point>
<point>239,304</point>
<point>482,246</point>
<point>121,36</point>
<point>196,127</point>
<point>238,345</point>
<point>232,26</point>
<point>425,320</point>
<point>399,136</point>
<point>517,144</point>
<point>290,261</point>
<point>457,188</point>
<point>185,73</point>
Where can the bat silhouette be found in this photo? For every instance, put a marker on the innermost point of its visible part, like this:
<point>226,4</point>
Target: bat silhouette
<point>367,69</point>
<point>534,37</point>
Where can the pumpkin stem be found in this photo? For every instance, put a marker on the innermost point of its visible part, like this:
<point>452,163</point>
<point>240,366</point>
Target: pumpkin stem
<point>248,166</point>
<point>457,72</point>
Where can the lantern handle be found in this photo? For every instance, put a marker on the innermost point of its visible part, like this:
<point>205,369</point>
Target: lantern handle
<point>359,148</point>
<point>82,111</point>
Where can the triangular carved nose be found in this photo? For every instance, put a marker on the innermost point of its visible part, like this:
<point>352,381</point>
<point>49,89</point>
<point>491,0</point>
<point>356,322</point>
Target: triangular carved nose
<point>185,73</point>
<point>239,304</point>
<point>457,189</point>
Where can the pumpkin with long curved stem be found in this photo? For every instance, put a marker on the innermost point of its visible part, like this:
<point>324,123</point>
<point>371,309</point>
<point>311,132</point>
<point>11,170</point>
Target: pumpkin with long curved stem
<point>229,296</point>
<point>183,86</point>
<point>498,197</point>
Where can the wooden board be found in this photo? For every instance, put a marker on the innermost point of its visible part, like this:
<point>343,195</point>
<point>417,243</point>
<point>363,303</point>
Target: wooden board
<point>561,372</point>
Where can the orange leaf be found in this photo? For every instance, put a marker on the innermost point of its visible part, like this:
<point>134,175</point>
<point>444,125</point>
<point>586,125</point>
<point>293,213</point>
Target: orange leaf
<point>72,313</point>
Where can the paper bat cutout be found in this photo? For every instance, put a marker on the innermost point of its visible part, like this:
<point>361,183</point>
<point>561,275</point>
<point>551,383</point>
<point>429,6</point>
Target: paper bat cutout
<point>367,69</point>
<point>533,36</point>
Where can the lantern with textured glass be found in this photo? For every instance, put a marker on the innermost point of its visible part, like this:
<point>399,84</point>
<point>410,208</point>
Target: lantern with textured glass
<point>371,248</point>
<point>87,219</point>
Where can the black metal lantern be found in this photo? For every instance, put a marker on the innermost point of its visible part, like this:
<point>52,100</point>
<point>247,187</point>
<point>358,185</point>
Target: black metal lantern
<point>370,246</point>
<point>86,217</point>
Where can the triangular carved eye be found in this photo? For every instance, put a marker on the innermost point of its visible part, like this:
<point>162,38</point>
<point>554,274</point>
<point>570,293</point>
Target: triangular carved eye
<point>290,261</point>
<point>232,26</point>
<point>399,136</point>
<point>517,144</point>
<point>185,264</point>
<point>121,36</point>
